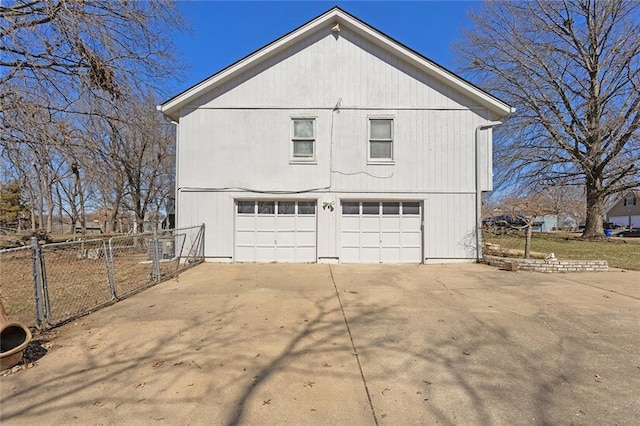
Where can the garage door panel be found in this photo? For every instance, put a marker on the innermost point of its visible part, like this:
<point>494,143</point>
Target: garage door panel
<point>244,238</point>
<point>245,222</point>
<point>390,223</point>
<point>413,239</point>
<point>411,222</point>
<point>306,238</point>
<point>393,235</point>
<point>370,254</point>
<point>287,238</point>
<point>351,223</point>
<point>370,224</point>
<point>245,254</point>
<point>305,254</point>
<point>350,254</point>
<point>350,238</point>
<point>370,239</point>
<point>286,254</point>
<point>391,239</point>
<point>409,255</point>
<point>265,253</point>
<point>390,255</point>
<point>306,222</point>
<point>265,222</point>
<point>275,232</point>
<point>264,238</point>
<point>285,222</point>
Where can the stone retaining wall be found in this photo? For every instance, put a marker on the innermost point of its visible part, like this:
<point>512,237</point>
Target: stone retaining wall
<point>547,265</point>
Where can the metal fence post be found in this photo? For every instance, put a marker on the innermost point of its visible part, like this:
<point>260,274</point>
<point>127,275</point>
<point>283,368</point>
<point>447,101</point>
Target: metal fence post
<point>37,280</point>
<point>202,230</point>
<point>108,262</point>
<point>156,257</point>
<point>45,285</point>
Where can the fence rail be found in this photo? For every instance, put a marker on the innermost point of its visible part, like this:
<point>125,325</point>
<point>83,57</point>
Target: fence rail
<point>45,285</point>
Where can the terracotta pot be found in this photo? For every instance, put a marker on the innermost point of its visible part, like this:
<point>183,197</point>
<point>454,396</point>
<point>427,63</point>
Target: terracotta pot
<point>14,337</point>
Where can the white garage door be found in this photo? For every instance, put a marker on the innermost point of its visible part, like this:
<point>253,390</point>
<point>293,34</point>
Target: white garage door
<point>620,220</point>
<point>275,231</point>
<point>624,221</point>
<point>381,232</point>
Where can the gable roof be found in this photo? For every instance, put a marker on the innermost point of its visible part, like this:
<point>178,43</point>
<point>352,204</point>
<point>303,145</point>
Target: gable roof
<point>620,197</point>
<point>171,107</point>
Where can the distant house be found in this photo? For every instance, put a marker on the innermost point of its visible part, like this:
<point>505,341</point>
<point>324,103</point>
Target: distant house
<point>626,210</point>
<point>545,223</point>
<point>334,143</point>
<point>91,228</point>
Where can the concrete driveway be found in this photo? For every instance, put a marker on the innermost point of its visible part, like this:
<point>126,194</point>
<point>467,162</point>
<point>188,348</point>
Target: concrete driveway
<point>346,344</point>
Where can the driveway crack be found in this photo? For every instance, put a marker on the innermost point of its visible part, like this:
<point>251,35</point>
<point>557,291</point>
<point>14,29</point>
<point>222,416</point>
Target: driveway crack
<point>355,350</point>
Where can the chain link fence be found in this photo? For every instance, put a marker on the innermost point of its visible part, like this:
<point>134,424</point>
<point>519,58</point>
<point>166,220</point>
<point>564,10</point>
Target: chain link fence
<point>16,284</point>
<point>46,285</point>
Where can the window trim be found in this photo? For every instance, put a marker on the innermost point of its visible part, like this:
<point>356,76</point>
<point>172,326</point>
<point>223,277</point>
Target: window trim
<point>293,159</point>
<point>385,161</point>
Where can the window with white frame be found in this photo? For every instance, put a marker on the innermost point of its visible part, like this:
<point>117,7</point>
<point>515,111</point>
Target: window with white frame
<point>630,201</point>
<point>303,138</point>
<point>381,139</point>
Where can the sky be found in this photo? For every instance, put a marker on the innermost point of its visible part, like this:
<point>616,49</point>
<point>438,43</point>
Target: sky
<point>223,32</point>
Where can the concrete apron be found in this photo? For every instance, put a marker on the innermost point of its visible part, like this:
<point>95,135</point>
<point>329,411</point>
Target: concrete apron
<point>268,344</point>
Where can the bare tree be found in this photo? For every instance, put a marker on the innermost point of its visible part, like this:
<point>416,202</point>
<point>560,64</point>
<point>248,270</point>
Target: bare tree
<point>69,50</point>
<point>136,149</point>
<point>572,69</point>
<point>566,202</point>
<point>64,62</point>
<point>147,158</point>
<point>521,212</point>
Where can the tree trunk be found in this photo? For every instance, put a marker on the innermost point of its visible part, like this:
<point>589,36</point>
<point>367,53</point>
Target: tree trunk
<point>50,209</point>
<point>595,210</point>
<point>527,241</point>
<point>83,218</point>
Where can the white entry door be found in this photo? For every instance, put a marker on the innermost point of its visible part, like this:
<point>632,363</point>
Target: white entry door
<point>275,231</point>
<point>381,232</point>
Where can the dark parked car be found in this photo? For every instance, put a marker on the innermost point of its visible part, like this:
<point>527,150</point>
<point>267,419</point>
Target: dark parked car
<point>605,225</point>
<point>505,220</point>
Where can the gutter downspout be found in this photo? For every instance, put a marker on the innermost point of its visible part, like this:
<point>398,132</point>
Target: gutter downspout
<point>177,178</point>
<point>483,126</point>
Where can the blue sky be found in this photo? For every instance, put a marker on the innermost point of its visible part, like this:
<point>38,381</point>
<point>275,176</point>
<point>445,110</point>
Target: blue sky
<point>225,31</point>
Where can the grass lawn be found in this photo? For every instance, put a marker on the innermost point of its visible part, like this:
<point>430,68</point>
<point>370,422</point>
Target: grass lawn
<point>621,253</point>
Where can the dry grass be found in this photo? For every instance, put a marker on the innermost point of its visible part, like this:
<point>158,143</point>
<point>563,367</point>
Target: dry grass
<point>623,253</point>
<point>75,282</point>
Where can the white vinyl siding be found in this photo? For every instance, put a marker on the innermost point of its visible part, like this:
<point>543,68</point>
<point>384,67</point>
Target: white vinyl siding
<point>275,231</point>
<point>381,232</point>
<point>236,142</point>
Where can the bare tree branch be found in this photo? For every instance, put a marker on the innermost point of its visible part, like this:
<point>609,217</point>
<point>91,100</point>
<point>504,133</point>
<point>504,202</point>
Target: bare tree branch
<point>572,70</point>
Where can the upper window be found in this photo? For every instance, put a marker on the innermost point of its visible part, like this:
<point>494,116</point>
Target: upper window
<point>381,139</point>
<point>303,138</point>
<point>630,201</point>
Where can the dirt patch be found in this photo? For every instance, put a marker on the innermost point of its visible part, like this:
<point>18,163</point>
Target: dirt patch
<point>37,348</point>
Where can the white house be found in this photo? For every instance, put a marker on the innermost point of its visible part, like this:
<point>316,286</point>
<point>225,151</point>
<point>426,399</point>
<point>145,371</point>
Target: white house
<point>334,143</point>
